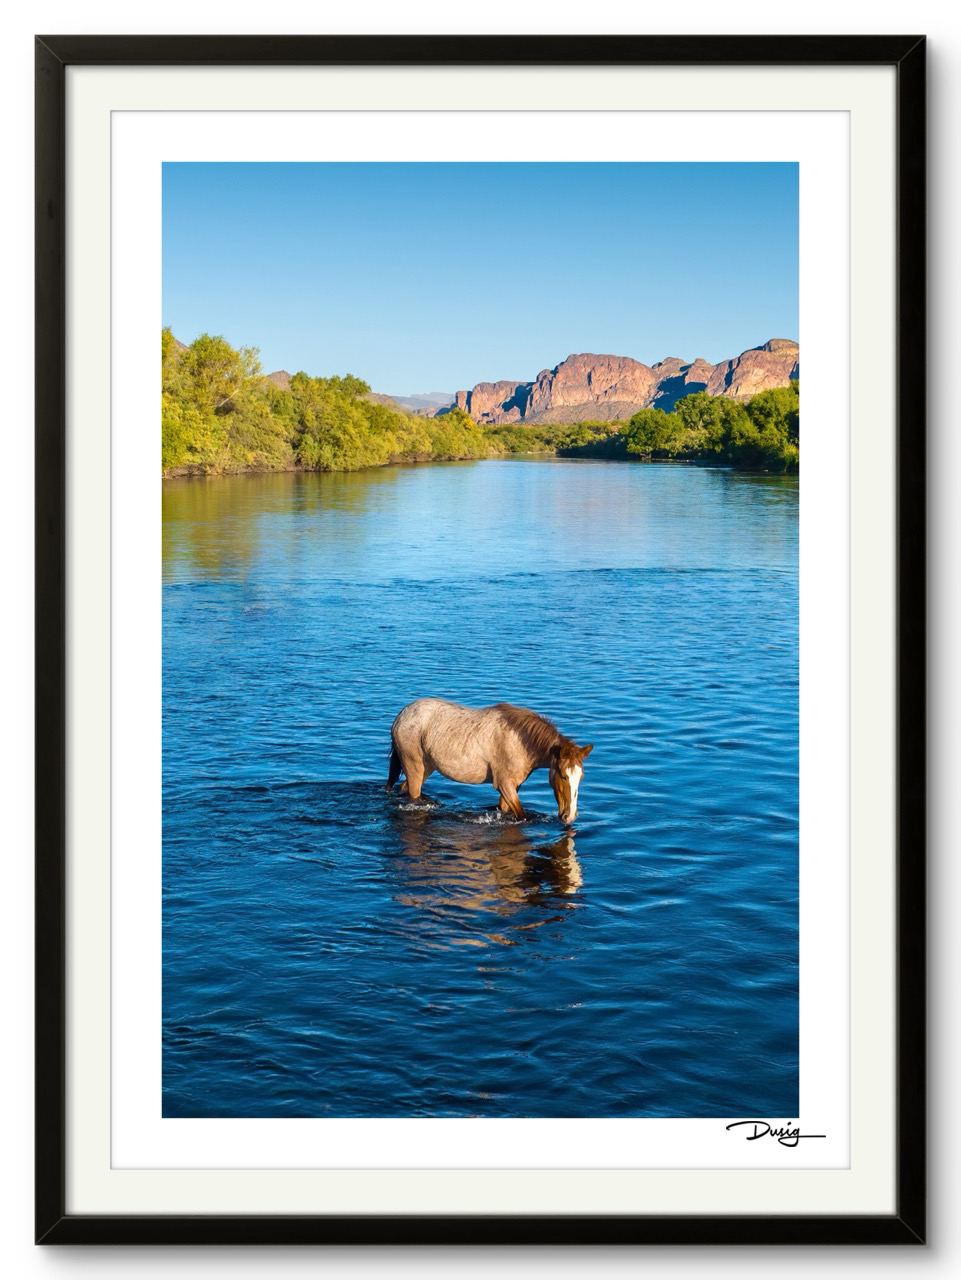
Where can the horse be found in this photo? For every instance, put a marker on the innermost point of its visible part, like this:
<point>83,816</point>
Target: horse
<point>502,744</point>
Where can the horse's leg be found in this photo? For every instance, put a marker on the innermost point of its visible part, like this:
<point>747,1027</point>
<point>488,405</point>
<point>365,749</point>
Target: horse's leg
<point>510,797</point>
<point>416,773</point>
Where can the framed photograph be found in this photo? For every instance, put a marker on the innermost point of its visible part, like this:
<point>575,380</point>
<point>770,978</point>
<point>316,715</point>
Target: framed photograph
<point>480,769</point>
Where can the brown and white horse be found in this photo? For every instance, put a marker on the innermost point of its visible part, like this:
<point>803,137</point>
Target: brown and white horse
<point>502,745</point>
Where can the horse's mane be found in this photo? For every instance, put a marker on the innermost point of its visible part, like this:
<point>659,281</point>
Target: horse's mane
<point>536,732</point>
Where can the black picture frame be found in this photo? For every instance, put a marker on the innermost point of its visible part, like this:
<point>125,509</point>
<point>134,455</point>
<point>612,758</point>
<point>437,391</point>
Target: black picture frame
<point>54,54</point>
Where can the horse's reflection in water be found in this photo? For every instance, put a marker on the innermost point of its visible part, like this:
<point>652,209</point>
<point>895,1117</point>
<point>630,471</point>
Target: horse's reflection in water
<point>461,868</point>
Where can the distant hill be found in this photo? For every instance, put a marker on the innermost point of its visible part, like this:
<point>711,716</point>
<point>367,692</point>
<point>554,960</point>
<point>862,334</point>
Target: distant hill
<point>425,401</point>
<point>603,387</point>
<point>390,401</point>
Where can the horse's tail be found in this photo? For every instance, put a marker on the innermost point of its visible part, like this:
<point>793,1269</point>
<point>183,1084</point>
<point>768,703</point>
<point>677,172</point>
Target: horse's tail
<point>394,771</point>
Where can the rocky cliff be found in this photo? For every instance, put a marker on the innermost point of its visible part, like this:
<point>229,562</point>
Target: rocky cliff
<point>609,387</point>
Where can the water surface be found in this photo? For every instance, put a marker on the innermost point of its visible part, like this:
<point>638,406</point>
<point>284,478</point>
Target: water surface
<point>331,950</point>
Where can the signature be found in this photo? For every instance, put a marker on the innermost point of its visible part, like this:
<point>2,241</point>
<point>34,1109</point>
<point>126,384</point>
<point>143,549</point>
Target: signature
<point>785,1134</point>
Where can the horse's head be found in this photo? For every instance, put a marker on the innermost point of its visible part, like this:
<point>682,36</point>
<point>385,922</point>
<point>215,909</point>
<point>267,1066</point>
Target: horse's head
<point>566,771</point>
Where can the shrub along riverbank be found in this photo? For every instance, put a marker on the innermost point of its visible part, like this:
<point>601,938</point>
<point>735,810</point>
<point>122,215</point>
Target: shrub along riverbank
<point>220,416</point>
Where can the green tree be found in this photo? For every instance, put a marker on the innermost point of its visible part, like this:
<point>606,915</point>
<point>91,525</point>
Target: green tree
<point>779,408</point>
<point>650,431</point>
<point>706,422</point>
<point>213,374</point>
<point>190,438</point>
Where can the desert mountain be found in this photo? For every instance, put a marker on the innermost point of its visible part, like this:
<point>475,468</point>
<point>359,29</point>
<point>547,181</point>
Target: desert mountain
<point>425,400</point>
<point>608,387</point>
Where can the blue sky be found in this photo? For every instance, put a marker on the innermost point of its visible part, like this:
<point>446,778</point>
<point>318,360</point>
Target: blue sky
<point>423,277</point>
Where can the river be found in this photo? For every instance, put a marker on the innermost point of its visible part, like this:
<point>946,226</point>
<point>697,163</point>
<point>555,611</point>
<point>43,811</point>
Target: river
<point>332,950</point>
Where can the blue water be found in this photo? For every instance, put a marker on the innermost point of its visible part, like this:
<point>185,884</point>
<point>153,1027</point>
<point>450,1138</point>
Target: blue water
<point>332,950</point>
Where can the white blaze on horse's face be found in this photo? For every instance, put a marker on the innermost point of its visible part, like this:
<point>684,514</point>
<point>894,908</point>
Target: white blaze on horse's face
<point>574,776</point>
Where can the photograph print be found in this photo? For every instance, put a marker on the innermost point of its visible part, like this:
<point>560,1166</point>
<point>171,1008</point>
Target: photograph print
<point>480,640</point>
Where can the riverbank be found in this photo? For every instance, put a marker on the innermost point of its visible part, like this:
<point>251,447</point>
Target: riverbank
<point>596,453</point>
